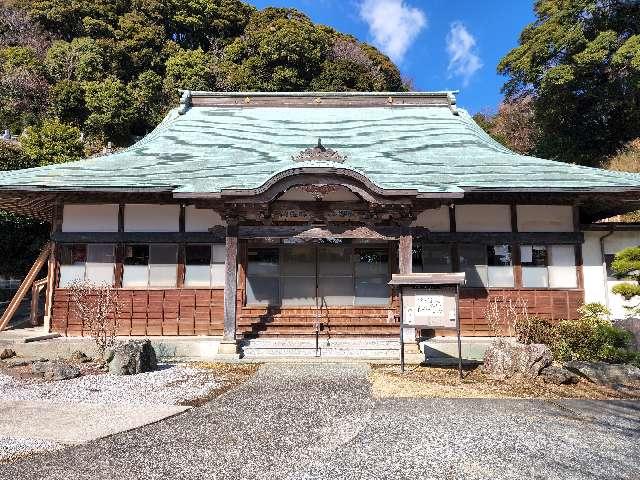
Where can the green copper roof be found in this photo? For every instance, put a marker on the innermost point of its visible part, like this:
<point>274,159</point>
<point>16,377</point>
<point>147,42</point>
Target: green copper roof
<point>432,148</point>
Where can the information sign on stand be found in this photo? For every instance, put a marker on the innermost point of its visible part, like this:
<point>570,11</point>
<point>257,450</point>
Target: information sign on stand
<point>429,300</point>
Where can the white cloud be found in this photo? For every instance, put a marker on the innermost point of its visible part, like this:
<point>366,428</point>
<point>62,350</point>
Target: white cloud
<point>463,58</point>
<point>393,24</point>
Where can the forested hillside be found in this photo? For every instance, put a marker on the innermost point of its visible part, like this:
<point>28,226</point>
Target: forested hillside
<point>77,74</point>
<point>110,69</point>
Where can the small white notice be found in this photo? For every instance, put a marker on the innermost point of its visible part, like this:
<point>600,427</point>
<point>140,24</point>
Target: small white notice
<point>429,305</point>
<point>526,253</point>
<point>430,308</point>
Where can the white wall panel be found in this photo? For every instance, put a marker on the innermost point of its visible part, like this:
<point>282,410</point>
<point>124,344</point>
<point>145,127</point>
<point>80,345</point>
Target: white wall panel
<point>545,218</point>
<point>593,270</point>
<point>201,220</point>
<point>90,218</point>
<point>436,220</point>
<point>483,218</point>
<point>151,218</point>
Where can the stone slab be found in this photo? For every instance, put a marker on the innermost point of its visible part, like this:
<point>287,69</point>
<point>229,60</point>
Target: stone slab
<point>74,423</point>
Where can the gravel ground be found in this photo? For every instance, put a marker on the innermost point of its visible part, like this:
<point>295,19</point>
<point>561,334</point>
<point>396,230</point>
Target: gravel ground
<point>320,421</point>
<point>12,448</point>
<point>172,385</point>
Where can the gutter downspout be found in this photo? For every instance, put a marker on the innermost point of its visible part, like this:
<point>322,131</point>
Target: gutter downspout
<point>604,265</point>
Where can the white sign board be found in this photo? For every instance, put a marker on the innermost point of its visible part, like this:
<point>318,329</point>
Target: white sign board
<point>429,308</point>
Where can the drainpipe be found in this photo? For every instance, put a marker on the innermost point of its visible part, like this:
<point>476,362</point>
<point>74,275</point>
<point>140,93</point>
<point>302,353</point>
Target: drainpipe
<point>604,265</point>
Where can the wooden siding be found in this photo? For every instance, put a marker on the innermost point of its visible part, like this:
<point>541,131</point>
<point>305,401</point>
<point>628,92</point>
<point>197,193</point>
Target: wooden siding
<point>553,305</point>
<point>151,312</point>
<point>200,312</point>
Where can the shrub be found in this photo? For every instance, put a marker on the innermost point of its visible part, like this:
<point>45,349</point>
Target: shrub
<point>536,330</point>
<point>592,337</point>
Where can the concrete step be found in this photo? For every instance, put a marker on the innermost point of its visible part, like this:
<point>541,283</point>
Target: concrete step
<point>374,348</point>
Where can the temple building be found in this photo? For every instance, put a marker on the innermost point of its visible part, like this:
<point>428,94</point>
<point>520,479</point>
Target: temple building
<point>271,215</point>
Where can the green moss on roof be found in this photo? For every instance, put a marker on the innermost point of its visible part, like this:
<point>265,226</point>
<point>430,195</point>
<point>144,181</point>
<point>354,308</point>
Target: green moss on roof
<point>210,149</point>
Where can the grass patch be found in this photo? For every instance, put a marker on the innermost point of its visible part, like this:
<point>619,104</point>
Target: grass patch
<point>444,382</point>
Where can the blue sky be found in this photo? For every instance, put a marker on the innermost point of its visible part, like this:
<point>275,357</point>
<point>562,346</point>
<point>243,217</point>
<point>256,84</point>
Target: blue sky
<point>439,44</point>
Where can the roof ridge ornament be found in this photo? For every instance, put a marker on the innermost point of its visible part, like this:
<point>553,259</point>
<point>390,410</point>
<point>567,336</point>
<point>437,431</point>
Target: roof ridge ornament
<point>185,102</point>
<point>319,153</point>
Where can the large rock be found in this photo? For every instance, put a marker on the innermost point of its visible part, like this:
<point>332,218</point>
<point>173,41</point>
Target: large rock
<point>55,370</point>
<point>504,359</point>
<point>129,358</point>
<point>79,357</point>
<point>558,375</point>
<point>7,353</point>
<point>605,373</point>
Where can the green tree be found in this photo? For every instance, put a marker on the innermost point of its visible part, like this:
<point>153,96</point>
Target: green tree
<point>626,265</point>
<point>139,44</point>
<point>149,101</point>
<point>80,59</point>
<point>281,49</point>
<point>110,109</point>
<point>580,61</point>
<point>66,102</point>
<point>23,88</point>
<point>207,23</point>
<point>52,142</point>
<point>189,70</point>
<point>12,157</point>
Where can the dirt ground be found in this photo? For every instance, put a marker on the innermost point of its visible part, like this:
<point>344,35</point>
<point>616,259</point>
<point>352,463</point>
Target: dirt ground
<point>444,382</point>
<point>231,374</point>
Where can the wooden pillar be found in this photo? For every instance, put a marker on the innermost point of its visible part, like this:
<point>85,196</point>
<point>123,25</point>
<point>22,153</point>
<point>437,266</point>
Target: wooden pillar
<point>52,269</point>
<point>228,344</point>
<point>578,249</point>
<point>405,252</point>
<point>515,249</point>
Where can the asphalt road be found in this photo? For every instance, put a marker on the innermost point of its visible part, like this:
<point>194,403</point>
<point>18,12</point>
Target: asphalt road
<point>319,421</point>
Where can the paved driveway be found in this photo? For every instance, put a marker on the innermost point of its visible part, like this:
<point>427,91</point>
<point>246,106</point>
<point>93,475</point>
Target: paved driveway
<point>319,421</point>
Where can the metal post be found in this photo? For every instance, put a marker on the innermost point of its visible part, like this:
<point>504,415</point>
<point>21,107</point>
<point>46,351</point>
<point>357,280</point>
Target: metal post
<point>401,333</point>
<point>458,330</point>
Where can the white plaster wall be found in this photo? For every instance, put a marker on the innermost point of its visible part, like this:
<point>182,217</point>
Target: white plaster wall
<point>621,240</point>
<point>151,218</point>
<point>436,220</point>
<point>201,220</point>
<point>90,218</point>
<point>593,270</point>
<point>483,218</point>
<point>545,218</point>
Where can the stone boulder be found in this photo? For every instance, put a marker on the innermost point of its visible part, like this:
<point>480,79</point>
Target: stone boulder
<point>129,358</point>
<point>7,353</point>
<point>605,373</point>
<point>504,359</point>
<point>79,357</point>
<point>55,370</point>
<point>558,375</point>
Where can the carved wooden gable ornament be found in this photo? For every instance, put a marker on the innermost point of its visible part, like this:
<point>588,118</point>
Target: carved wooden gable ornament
<point>319,153</point>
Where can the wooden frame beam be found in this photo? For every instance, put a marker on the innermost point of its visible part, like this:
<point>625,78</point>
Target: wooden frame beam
<point>25,286</point>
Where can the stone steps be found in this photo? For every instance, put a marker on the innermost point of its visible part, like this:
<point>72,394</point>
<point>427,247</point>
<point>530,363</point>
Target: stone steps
<point>369,348</point>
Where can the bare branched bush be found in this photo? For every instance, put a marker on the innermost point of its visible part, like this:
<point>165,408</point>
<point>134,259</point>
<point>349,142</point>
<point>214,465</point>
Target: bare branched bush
<point>509,318</point>
<point>97,307</point>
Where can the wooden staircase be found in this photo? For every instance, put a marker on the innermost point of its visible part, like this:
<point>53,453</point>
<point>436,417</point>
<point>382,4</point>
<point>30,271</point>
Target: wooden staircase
<point>303,322</point>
